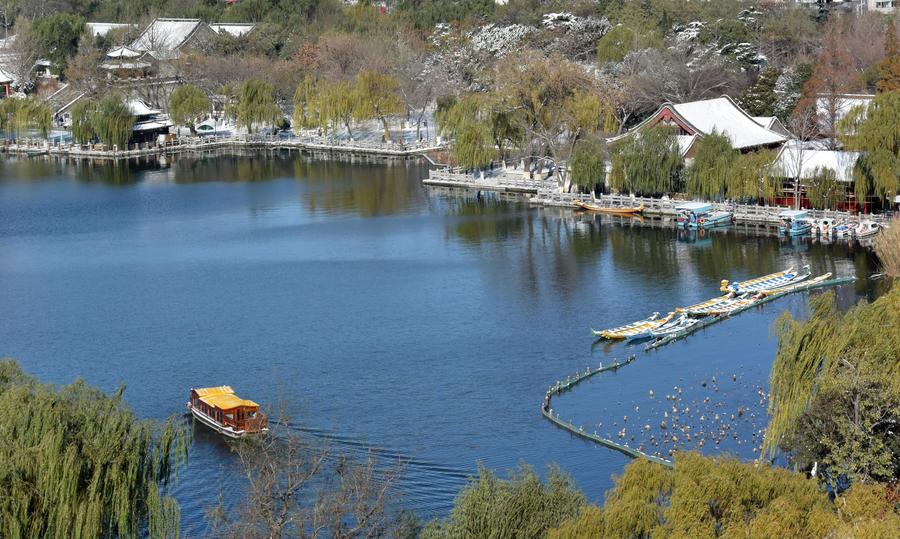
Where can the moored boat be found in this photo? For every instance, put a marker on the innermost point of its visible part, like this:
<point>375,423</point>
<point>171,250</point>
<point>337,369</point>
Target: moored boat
<point>841,230</point>
<point>766,282</point>
<point>679,323</point>
<point>609,209</point>
<point>794,223</point>
<point>716,218</point>
<point>733,304</point>
<point>221,410</point>
<point>634,328</point>
<point>866,228</point>
<point>690,213</point>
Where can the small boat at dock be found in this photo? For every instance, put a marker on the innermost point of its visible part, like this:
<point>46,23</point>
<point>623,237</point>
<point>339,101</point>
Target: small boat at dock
<point>609,209</point>
<point>794,223</point>
<point>714,219</point>
<point>866,229</point>
<point>221,410</point>
<point>633,329</point>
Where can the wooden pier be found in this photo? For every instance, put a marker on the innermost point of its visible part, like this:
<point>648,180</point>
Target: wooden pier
<point>36,147</point>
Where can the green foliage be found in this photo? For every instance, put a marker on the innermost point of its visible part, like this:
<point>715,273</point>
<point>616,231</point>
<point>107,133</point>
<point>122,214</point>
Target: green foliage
<point>256,104</point>
<point>377,97</point>
<point>874,129</point>
<point>760,99</point>
<point>83,121</point>
<point>468,122</point>
<point>753,178</point>
<point>17,115</point>
<point>57,37</point>
<point>522,507</point>
<point>621,39</point>
<point>187,105</point>
<point>424,14</point>
<point>647,164</point>
<point>76,463</point>
<point>303,96</point>
<point>887,246</point>
<point>835,377</point>
<point>112,121</point>
<point>708,174</point>
<point>588,164</point>
<point>823,189</point>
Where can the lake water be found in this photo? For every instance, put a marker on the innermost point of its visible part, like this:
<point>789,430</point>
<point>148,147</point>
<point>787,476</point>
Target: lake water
<point>384,316</point>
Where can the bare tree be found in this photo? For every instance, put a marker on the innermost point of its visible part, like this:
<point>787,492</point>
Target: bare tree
<point>804,125</point>
<point>299,488</point>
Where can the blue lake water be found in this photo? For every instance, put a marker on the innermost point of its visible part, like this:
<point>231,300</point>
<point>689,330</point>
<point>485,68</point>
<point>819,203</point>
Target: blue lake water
<point>385,316</point>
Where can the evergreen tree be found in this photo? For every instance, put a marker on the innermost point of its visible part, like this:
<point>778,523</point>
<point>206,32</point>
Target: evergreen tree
<point>889,68</point>
<point>759,99</point>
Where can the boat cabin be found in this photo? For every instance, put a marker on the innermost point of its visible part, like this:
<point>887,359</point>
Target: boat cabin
<point>220,409</point>
<point>690,212</point>
<point>793,215</point>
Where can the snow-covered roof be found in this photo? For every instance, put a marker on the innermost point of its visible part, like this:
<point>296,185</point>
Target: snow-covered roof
<point>235,29</point>
<point>103,28</point>
<point>139,108</point>
<point>123,52</point>
<point>724,116</point>
<point>685,142</point>
<point>166,34</point>
<point>842,104</point>
<point>125,65</point>
<point>794,155</point>
<point>5,78</point>
<point>153,124</point>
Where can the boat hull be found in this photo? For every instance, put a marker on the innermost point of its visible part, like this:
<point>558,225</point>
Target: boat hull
<point>222,429</point>
<point>612,211</point>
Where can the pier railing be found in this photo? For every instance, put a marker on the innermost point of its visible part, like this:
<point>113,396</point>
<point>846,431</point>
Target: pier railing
<point>32,146</point>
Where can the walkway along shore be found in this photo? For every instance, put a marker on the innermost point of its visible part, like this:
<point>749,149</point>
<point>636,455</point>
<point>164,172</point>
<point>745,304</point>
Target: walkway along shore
<point>546,193</point>
<point>34,147</point>
<point>571,381</point>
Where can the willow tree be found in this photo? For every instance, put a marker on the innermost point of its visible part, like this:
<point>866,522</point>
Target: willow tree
<point>522,506</point>
<point>715,161</point>
<point>647,163</point>
<point>379,97</point>
<point>835,390</point>
<point>255,104</point>
<point>303,95</point>
<point>188,104</point>
<point>77,463</point>
<point>754,177</point>
<point>555,106</point>
<point>480,126</point>
<point>823,189</point>
<point>334,104</point>
<point>875,131</point>
<point>113,120</point>
<point>588,164</point>
<point>17,115</point>
<point>83,121</point>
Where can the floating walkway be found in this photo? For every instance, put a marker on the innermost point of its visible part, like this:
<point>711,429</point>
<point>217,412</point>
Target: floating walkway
<point>710,320</point>
<point>571,382</point>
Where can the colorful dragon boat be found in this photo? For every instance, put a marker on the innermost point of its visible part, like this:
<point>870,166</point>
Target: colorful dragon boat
<point>633,329</point>
<point>766,282</point>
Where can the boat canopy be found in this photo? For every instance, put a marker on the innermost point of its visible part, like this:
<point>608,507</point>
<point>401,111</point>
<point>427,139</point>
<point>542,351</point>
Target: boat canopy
<point>223,398</point>
<point>696,207</point>
<point>793,214</point>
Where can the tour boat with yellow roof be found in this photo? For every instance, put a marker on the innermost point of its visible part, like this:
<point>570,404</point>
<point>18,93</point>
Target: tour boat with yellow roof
<point>221,410</point>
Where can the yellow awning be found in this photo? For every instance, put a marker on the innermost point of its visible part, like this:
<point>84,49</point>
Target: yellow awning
<point>227,401</point>
<point>210,391</point>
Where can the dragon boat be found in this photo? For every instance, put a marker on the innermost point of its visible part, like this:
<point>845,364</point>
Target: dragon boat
<point>702,308</point>
<point>676,325</point>
<point>734,304</point>
<point>634,328</point>
<point>766,282</point>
